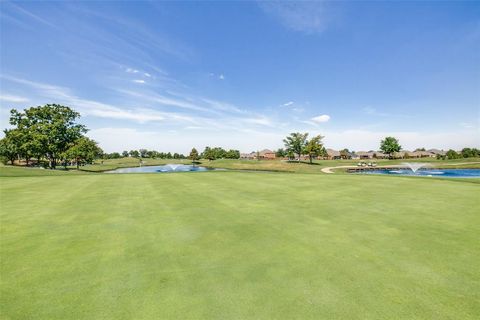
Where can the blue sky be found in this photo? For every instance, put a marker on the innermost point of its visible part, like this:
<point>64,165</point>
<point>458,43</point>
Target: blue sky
<point>173,75</point>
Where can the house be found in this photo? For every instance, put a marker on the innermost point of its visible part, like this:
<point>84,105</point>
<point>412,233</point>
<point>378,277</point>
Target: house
<point>354,156</point>
<point>435,152</point>
<point>380,155</point>
<point>333,154</point>
<point>411,154</point>
<point>266,154</point>
<point>399,155</point>
<point>248,156</point>
<point>365,154</point>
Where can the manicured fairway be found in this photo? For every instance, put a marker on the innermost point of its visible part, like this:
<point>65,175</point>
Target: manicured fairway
<point>237,245</point>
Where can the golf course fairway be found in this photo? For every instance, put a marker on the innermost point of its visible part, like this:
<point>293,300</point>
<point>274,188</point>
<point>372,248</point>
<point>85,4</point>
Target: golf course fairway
<point>239,245</point>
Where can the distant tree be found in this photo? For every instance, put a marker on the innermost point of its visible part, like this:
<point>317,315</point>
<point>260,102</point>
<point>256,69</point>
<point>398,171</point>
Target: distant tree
<point>83,151</point>
<point>452,154</point>
<point>280,153</point>
<point>168,155</point>
<point>134,153</point>
<point>420,149</point>
<point>296,142</point>
<point>143,153</point>
<point>8,149</point>
<point>152,154</point>
<point>290,155</point>
<point>125,154</point>
<point>114,155</point>
<point>193,155</point>
<point>390,145</point>
<point>470,152</point>
<point>208,154</point>
<point>313,147</point>
<point>345,154</point>
<point>232,154</point>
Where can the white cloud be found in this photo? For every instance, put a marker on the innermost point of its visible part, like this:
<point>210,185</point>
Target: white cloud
<point>287,104</point>
<point>146,74</point>
<point>466,125</point>
<point>12,98</point>
<point>138,81</point>
<point>221,77</point>
<point>304,16</point>
<point>321,119</point>
<point>131,70</point>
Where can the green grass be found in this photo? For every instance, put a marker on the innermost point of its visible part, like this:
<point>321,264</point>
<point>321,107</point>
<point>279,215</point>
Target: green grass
<point>238,245</point>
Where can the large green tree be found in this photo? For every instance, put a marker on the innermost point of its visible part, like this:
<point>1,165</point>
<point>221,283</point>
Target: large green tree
<point>313,147</point>
<point>83,151</point>
<point>389,145</point>
<point>47,131</point>
<point>8,149</point>
<point>296,142</point>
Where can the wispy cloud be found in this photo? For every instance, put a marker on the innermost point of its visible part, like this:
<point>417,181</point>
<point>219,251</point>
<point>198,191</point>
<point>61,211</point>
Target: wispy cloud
<point>138,81</point>
<point>287,104</point>
<point>89,107</point>
<point>31,15</point>
<point>12,98</point>
<point>304,16</point>
<point>374,112</point>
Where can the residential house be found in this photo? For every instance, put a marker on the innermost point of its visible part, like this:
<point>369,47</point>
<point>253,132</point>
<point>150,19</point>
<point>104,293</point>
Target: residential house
<point>248,156</point>
<point>266,154</point>
<point>365,154</point>
<point>333,154</point>
<point>435,152</point>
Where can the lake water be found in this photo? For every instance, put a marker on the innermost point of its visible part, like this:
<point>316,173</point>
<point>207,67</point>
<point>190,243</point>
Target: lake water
<point>448,173</point>
<point>161,169</point>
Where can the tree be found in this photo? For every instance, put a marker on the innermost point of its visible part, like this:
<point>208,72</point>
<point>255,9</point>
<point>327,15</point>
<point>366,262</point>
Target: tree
<point>50,129</point>
<point>313,147</point>
<point>452,154</point>
<point>296,142</point>
<point>470,152</point>
<point>280,153</point>
<point>114,155</point>
<point>8,149</point>
<point>290,155</point>
<point>389,145</point>
<point>125,154</point>
<point>134,154</point>
<point>208,154</point>
<point>193,155</point>
<point>83,151</point>
<point>232,154</point>
<point>345,154</point>
<point>143,153</point>
<point>152,154</point>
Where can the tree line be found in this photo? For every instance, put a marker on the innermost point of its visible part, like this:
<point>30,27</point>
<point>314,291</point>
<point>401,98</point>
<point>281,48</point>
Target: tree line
<point>49,134</point>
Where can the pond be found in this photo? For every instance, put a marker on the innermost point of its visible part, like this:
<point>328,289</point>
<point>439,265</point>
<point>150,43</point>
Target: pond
<point>448,173</point>
<point>162,169</point>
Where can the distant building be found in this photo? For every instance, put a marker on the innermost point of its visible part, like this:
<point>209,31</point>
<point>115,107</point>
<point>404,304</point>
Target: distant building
<point>436,152</point>
<point>248,156</point>
<point>364,154</point>
<point>266,154</point>
<point>333,154</point>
